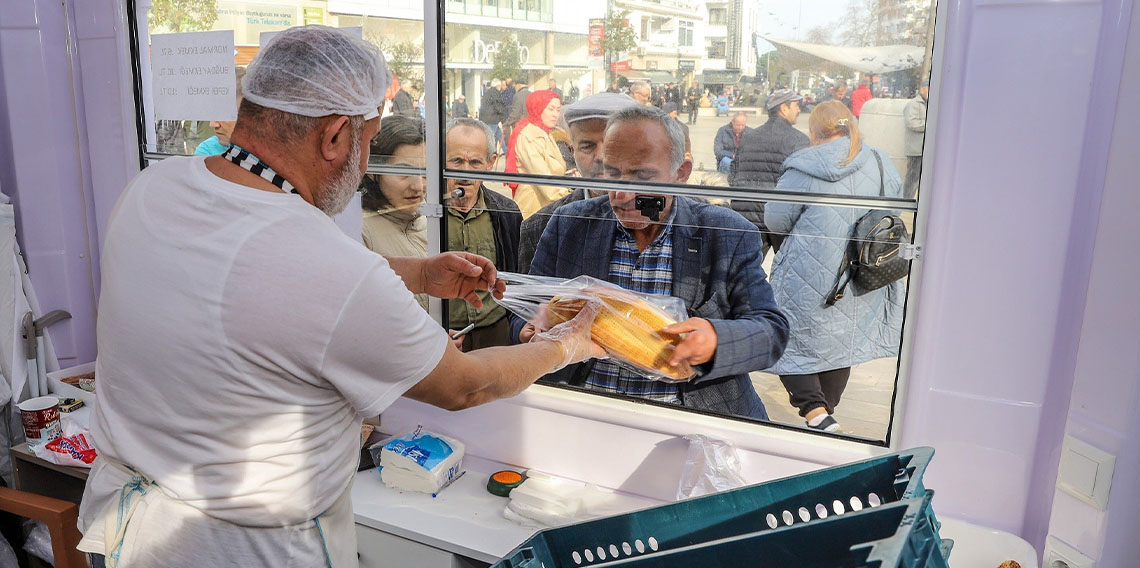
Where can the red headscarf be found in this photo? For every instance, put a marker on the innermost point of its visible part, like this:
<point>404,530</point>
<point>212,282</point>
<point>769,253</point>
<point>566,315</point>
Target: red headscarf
<point>536,102</point>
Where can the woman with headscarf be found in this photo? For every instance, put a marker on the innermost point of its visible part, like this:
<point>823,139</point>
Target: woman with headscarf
<point>393,225</point>
<point>826,341</point>
<point>532,150</point>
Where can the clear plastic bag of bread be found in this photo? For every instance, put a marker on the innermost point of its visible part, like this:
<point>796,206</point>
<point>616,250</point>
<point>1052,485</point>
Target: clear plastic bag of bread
<point>628,326</point>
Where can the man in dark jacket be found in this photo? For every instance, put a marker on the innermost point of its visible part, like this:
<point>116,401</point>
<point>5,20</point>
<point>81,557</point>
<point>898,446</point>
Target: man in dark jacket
<point>759,161</point>
<point>586,121</point>
<point>402,104</point>
<point>553,86</point>
<point>693,101</point>
<point>482,222</point>
<point>698,252</point>
<point>459,108</point>
<point>493,108</point>
<point>728,140</point>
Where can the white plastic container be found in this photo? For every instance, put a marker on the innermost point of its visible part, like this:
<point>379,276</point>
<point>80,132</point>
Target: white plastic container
<point>976,546</point>
<point>62,390</point>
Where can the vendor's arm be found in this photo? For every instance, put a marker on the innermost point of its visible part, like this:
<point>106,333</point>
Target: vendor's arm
<point>384,345</point>
<point>449,275</point>
<point>462,380</point>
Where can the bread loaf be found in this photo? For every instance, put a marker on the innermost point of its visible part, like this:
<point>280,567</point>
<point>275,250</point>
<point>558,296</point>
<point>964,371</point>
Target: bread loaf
<point>628,328</point>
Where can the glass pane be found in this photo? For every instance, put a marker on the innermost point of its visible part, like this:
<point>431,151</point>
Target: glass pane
<point>746,111</point>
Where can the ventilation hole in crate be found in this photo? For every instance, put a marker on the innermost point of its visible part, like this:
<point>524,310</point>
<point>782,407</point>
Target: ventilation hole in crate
<point>639,546</point>
<point>788,518</point>
<point>805,516</point>
<point>873,500</point>
<point>772,522</point>
<point>589,555</point>
<point>820,511</point>
<point>837,506</point>
<point>856,504</point>
<point>613,551</point>
<point>601,553</point>
<point>652,543</point>
<point>627,549</point>
<point>577,557</point>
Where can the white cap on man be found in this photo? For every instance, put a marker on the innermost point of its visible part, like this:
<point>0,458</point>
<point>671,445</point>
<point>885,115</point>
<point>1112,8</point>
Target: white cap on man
<point>318,71</point>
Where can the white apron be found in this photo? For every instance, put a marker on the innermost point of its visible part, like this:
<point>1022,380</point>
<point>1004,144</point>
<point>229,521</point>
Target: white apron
<point>146,527</point>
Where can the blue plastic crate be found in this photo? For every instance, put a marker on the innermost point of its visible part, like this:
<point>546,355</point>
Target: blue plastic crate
<point>874,513</point>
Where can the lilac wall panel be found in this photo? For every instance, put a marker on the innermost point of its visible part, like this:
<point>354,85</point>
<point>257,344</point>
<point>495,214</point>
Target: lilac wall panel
<point>1106,389</point>
<point>107,105</point>
<point>1000,206</point>
<point>44,169</point>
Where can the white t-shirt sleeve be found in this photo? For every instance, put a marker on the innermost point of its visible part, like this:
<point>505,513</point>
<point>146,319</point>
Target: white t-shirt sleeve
<point>383,343</point>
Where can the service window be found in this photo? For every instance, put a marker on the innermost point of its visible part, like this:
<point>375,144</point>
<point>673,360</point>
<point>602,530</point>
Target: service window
<point>771,137</point>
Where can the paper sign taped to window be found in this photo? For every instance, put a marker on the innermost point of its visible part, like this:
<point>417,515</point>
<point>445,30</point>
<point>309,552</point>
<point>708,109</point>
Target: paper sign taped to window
<point>193,76</point>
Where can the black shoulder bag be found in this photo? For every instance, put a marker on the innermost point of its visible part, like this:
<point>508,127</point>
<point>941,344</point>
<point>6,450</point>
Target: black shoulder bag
<point>873,257</point>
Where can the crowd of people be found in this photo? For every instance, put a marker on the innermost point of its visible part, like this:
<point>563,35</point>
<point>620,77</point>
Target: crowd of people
<point>708,255</point>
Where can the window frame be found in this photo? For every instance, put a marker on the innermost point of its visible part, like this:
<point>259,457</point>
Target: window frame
<point>746,432</point>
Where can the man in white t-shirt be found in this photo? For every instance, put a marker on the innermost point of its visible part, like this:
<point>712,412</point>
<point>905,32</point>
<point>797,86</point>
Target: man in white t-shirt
<point>242,337</point>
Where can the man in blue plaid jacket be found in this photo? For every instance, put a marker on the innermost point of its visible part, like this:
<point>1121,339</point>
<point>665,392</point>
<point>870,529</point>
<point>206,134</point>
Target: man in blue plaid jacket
<point>708,256</point>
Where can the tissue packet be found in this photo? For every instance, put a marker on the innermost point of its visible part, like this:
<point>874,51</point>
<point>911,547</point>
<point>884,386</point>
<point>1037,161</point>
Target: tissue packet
<point>420,461</point>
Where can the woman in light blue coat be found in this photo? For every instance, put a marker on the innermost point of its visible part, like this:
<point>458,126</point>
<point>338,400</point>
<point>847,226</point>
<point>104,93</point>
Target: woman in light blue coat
<point>826,341</point>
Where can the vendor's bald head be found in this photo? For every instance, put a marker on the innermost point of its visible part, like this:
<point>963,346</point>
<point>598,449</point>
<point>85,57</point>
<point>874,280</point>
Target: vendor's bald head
<point>311,106</point>
<point>643,144</point>
<point>586,120</point>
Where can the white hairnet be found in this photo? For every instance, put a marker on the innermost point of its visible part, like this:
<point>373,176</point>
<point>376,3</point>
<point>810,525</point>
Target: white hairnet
<point>318,71</point>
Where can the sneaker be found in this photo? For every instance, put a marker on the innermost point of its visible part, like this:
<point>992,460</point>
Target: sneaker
<point>828,424</point>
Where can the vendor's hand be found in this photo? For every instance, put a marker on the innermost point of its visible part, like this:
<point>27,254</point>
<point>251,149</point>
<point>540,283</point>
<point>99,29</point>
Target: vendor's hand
<point>698,344</point>
<point>574,335</point>
<point>538,324</point>
<point>459,274</point>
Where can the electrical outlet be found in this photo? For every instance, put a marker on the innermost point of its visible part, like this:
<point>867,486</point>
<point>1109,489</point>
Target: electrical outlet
<point>1061,555</point>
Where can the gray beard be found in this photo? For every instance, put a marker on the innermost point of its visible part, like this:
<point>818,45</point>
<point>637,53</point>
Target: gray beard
<point>337,192</point>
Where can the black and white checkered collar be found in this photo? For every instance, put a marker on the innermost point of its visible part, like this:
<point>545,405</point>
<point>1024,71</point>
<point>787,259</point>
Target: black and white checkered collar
<point>243,158</point>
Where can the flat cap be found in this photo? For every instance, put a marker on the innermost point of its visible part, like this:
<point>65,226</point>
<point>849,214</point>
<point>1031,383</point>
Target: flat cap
<point>781,96</point>
<point>601,105</point>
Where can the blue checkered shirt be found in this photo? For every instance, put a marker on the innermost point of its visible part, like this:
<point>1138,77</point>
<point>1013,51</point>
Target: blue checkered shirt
<point>651,272</point>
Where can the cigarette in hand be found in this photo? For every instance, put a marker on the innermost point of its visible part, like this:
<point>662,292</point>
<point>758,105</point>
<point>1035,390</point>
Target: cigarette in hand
<point>463,331</point>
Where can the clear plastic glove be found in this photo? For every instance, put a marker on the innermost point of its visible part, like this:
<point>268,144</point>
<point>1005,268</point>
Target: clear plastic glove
<point>574,337</point>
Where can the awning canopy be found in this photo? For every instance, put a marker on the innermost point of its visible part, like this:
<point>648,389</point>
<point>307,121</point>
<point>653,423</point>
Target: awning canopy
<point>720,76</point>
<point>873,60</point>
<point>658,77</point>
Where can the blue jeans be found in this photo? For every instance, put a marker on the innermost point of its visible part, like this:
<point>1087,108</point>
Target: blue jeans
<point>724,165</point>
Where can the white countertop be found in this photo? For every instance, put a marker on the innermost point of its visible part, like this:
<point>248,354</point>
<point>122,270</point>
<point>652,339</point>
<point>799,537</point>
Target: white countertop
<point>463,519</point>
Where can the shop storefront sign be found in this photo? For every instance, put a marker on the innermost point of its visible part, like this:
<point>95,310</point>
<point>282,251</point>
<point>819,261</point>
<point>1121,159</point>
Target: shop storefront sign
<point>485,52</point>
<point>619,66</point>
<point>686,65</point>
<point>247,20</point>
